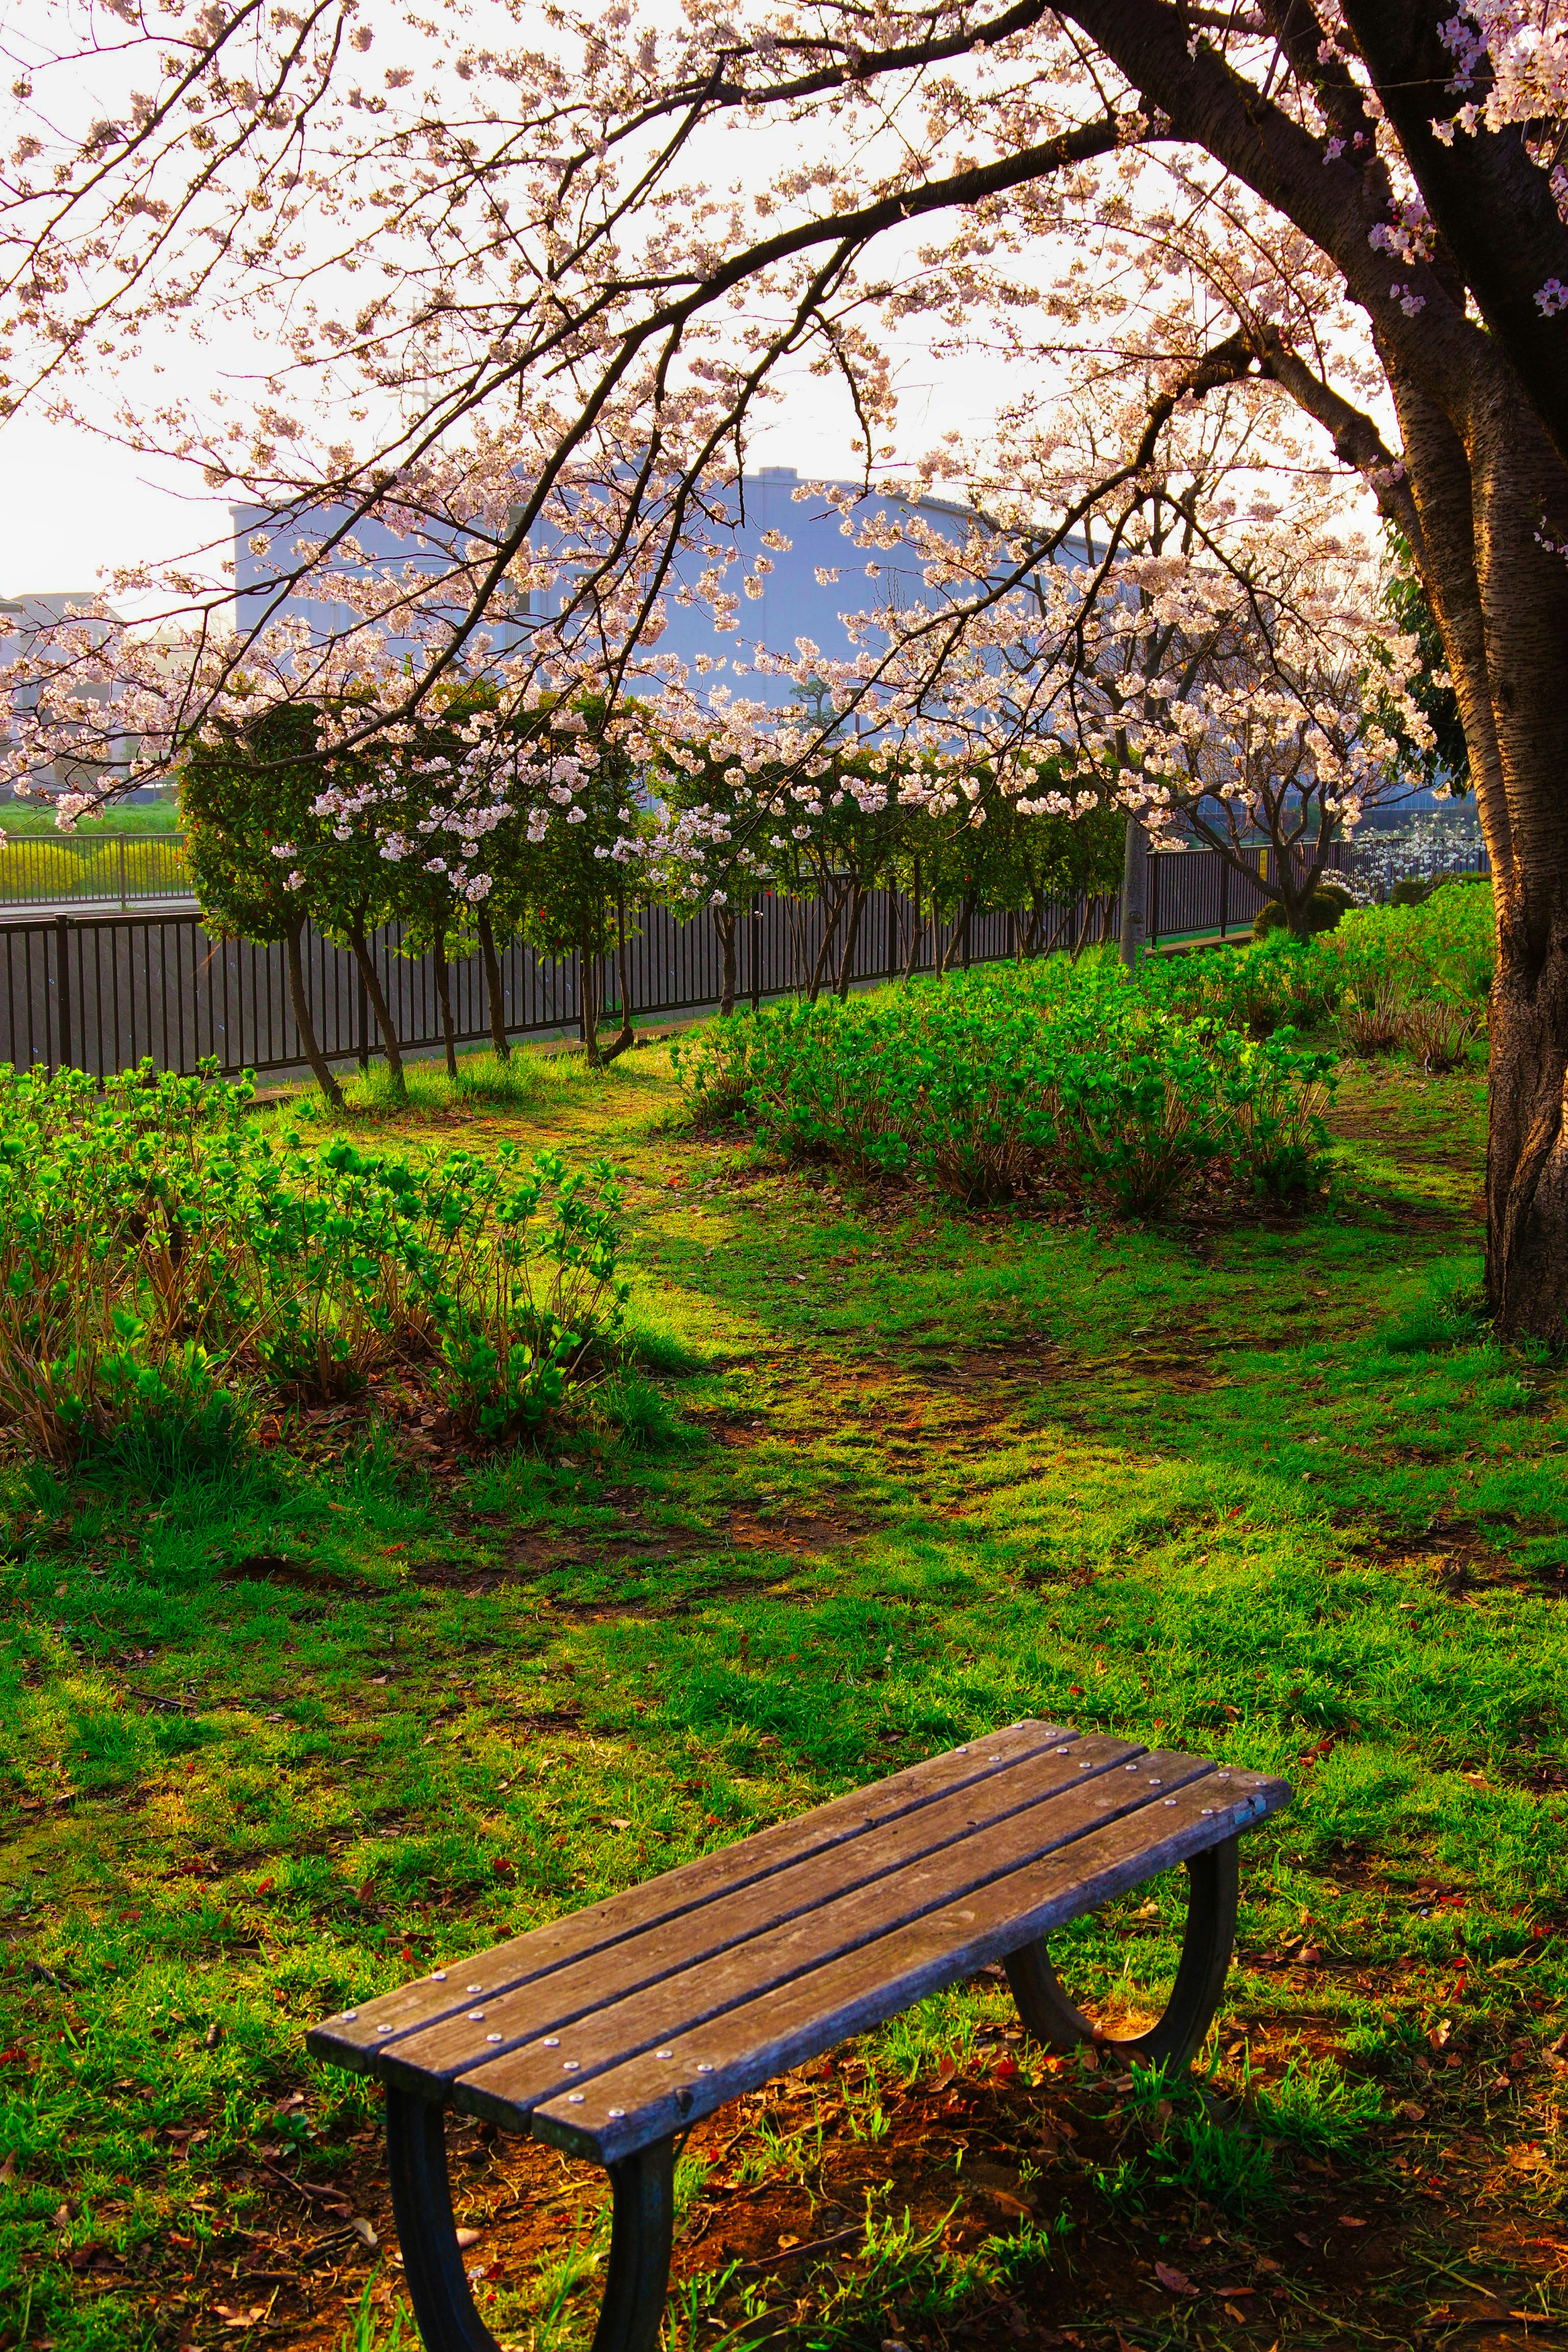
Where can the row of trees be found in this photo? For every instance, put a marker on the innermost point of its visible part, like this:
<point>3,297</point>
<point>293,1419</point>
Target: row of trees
<point>554,827</point>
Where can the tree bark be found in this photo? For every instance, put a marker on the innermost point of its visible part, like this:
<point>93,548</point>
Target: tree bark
<point>305,1028</point>
<point>444,996</point>
<point>493,990</point>
<point>359,948</point>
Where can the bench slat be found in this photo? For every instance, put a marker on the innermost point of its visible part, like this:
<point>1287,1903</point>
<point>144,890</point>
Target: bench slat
<point>355,2038</point>
<point>785,1922</point>
<point>649,2097</point>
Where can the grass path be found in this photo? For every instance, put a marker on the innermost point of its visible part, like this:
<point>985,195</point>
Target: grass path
<point>1264,1489</point>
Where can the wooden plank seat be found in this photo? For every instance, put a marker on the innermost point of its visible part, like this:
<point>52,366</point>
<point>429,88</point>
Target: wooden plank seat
<point>609,2032</point>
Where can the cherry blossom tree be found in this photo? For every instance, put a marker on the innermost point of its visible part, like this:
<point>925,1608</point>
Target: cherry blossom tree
<point>534,276</point>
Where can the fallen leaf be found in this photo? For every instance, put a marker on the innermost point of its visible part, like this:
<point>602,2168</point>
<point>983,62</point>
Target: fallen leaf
<point>365,2232</point>
<point>1352,2221</point>
<point>1174,2281</point>
<point>1437,2035</point>
<point>786,2242</point>
<point>1411,2112</point>
<point>466,2238</point>
<point>620,1825</point>
<point>1089,2057</point>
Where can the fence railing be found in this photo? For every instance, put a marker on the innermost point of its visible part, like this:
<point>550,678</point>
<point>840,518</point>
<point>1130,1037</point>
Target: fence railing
<point>100,992</point>
<point>42,869</point>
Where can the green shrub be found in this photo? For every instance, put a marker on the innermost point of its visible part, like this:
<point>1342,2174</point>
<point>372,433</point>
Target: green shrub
<point>1409,892</point>
<point>161,1258</point>
<point>1327,904</point>
<point>1001,1080</point>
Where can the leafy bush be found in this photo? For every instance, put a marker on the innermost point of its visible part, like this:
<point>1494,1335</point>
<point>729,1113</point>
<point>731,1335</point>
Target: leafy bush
<point>1001,1080</point>
<point>1324,908</point>
<point>162,1259</point>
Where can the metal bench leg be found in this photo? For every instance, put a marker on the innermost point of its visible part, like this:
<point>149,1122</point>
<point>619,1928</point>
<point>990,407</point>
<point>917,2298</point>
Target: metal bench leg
<point>1175,2040</point>
<point>641,2230</point>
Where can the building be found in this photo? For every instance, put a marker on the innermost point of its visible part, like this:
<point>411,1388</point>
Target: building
<point>819,577</point>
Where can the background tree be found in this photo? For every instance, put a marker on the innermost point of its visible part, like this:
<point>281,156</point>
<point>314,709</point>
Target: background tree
<point>244,888</point>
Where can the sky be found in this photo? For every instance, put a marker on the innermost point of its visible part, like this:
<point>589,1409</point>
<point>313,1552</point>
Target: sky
<point>77,509</point>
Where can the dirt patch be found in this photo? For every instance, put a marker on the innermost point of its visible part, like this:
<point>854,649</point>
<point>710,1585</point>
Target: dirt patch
<point>296,1575</point>
<point>1459,1560</point>
<point>969,2153</point>
<point>797,1533</point>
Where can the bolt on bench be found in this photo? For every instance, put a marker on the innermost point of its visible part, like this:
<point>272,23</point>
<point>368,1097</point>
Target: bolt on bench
<point>612,2031</point>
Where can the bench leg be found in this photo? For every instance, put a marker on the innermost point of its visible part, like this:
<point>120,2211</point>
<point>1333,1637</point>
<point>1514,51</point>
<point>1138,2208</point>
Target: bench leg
<point>641,2230</point>
<point>1053,2020</point>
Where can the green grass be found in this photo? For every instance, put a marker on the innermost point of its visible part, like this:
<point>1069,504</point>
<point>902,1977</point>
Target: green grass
<point>883,1475</point>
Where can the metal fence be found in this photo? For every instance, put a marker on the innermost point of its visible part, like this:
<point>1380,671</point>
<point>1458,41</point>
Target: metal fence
<point>40,870</point>
<point>100,992</point>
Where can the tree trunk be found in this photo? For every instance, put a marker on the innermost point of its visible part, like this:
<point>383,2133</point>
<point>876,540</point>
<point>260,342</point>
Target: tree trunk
<point>626,1036</point>
<point>1499,593</point>
<point>960,939</point>
<point>493,991</point>
<point>588,996</point>
<point>819,969</point>
<point>1134,893</point>
<point>305,1028</point>
<point>915,926</point>
<point>359,947</point>
<point>444,996</point>
<point>851,939</point>
<point>726,923</point>
<point>1527,1144</point>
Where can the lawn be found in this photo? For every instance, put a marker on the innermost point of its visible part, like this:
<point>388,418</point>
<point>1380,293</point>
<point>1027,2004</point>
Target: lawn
<point>1258,1484</point>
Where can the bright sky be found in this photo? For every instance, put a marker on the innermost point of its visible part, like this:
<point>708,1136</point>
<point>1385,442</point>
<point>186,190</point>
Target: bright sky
<point>78,507</point>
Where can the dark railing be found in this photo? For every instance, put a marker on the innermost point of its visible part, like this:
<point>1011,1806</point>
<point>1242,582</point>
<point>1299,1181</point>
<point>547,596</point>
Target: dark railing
<point>100,992</point>
<point>42,869</point>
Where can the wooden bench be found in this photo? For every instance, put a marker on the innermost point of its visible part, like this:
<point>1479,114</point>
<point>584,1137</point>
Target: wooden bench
<point>611,2032</point>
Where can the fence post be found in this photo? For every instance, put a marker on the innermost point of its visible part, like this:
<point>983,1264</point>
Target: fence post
<point>123,901</point>
<point>1154,932</point>
<point>1223,895</point>
<point>364,1026</point>
<point>757,948</point>
<point>63,990</point>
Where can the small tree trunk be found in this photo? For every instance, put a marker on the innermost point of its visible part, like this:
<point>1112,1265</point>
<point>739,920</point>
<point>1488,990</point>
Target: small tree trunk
<point>1134,893</point>
<point>305,1028</point>
<point>851,940</point>
<point>359,947</point>
<point>626,1036</point>
<point>725,924</point>
<point>914,925</point>
<point>588,992</point>
<point>493,992</point>
<point>819,969</point>
<point>960,939</point>
<point>444,996</point>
